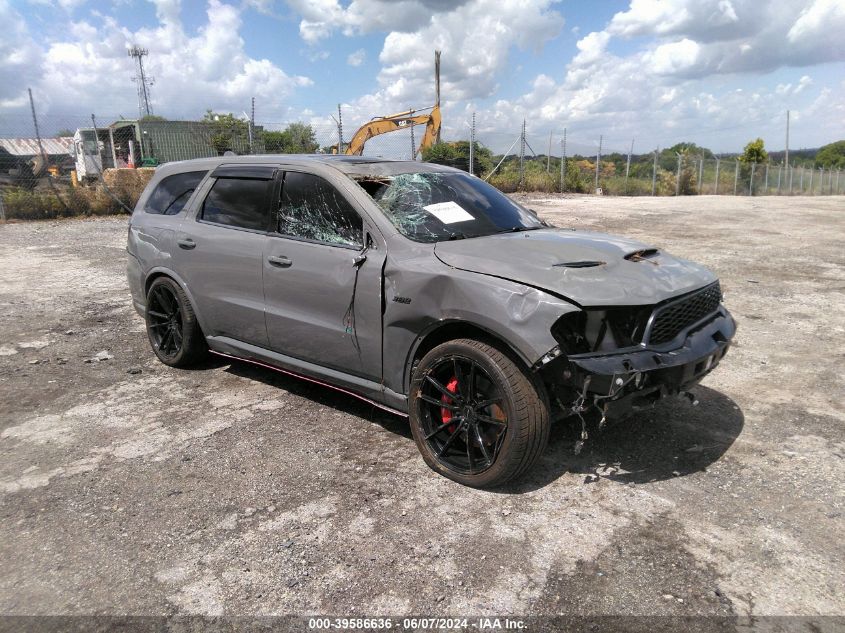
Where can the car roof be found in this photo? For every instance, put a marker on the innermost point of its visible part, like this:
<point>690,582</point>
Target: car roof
<point>355,166</point>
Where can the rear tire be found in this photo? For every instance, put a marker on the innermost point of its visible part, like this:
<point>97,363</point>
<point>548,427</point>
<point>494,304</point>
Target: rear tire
<point>476,416</point>
<point>175,335</point>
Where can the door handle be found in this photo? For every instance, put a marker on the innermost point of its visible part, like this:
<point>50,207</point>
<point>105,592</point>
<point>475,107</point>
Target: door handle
<point>280,261</point>
<point>187,244</point>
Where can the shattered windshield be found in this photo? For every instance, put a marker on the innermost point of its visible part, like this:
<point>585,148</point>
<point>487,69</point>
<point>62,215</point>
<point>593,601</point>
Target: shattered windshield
<point>431,207</point>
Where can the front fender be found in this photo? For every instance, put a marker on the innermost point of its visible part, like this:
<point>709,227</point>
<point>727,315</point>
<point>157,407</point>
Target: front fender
<point>421,298</point>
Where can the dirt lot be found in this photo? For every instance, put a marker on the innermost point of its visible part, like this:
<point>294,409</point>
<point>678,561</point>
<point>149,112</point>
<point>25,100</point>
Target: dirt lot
<point>128,487</point>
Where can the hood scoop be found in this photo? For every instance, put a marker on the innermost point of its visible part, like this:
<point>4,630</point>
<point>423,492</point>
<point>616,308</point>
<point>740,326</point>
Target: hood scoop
<point>580,264</point>
<point>643,255</point>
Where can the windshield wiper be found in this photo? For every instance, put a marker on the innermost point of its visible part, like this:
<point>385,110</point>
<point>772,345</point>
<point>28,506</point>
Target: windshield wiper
<point>519,229</point>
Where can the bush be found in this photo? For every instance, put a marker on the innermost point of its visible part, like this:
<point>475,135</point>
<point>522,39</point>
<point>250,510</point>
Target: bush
<point>42,204</point>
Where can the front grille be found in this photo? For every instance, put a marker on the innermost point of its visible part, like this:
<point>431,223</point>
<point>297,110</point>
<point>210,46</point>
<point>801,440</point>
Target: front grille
<point>676,317</point>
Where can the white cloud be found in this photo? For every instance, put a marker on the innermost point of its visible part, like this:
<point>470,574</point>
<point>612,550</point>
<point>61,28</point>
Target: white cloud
<point>20,58</point>
<point>357,58</point>
<point>87,69</point>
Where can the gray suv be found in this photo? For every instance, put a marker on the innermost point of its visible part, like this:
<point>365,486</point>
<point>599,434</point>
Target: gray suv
<point>422,290</point>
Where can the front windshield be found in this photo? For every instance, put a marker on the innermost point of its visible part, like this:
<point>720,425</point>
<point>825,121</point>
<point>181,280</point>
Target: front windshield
<point>432,206</point>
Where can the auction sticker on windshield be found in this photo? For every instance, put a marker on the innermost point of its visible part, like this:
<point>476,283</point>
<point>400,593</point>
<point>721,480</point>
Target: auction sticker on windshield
<point>448,212</point>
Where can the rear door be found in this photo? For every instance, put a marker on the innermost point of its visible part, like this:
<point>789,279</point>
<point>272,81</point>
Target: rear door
<point>322,277</point>
<point>219,252</point>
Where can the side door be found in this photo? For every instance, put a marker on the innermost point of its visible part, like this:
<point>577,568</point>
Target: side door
<point>219,252</point>
<point>322,278</point>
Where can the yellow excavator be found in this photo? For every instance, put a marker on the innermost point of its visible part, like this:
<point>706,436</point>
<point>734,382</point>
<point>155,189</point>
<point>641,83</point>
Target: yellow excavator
<point>394,122</point>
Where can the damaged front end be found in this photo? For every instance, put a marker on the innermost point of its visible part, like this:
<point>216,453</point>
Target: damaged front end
<point>613,361</point>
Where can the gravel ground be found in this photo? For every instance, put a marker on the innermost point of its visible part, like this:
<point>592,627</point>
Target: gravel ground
<point>127,487</point>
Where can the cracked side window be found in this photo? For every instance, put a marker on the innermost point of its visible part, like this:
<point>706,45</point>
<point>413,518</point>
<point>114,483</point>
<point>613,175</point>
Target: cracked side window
<point>312,209</point>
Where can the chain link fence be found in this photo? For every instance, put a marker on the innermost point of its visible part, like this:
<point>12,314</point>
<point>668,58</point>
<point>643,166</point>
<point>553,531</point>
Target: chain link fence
<point>62,165</point>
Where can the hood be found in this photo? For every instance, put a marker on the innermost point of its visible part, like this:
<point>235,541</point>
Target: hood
<point>590,269</point>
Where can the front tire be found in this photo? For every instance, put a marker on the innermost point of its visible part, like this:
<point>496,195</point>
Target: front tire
<point>175,335</point>
<point>476,416</point>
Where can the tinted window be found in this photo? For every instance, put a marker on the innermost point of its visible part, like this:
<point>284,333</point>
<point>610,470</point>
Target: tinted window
<point>172,193</point>
<point>428,207</point>
<point>237,202</point>
<point>312,209</point>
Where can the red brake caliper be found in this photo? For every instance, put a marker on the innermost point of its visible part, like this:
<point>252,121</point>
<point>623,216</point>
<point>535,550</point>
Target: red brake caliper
<point>445,414</point>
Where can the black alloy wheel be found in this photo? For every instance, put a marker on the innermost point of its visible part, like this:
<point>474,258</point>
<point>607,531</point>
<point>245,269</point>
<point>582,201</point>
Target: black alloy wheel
<point>477,414</point>
<point>463,416</point>
<point>172,327</point>
<point>165,321</point>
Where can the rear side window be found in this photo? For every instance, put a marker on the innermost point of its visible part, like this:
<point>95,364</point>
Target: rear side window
<point>312,209</point>
<point>172,193</point>
<point>238,202</point>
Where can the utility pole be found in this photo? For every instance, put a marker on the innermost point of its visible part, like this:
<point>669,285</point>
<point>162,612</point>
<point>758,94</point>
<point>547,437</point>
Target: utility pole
<point>786,154</point>
<point>141,80</point>
<point>437,85</point>
<point>654,171</point>
<point>472,145</point>
<point>628,166</point>
<point>598,162</point>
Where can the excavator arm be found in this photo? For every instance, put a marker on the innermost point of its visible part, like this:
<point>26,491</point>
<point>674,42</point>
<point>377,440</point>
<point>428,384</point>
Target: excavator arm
<point>394,122</point>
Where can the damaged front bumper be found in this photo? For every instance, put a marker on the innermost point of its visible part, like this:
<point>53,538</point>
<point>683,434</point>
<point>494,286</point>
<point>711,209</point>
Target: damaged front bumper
<point>632,379</point>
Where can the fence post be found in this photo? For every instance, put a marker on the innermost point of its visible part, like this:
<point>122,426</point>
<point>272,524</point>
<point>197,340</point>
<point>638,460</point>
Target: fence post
<point>751,180</point>
<point>821,181</point>
<point>598,162</point>
<point>628,166</point>
<point>522,155</point>
<point>791,174</point>
<point>780,168</point>
<point>563,162</point>
<point>471,145</point>
<point>716,187</point>
<point>766,185</point>
<point>812,173</point>
<point>700,173</point>
<point>2,208</point>
<point>678,176</point>
<point>654,171</point>
<point>736,176</point>
<point>837,180</point>
<point>801,180</point>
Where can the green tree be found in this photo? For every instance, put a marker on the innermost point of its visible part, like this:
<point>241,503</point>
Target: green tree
<point>64,132</point>
<point>152,118</point>
<point>456,154</point>
<point>831,155</point>
<point>227,132</point>
<point>754,152</point>
<point>296,138</point>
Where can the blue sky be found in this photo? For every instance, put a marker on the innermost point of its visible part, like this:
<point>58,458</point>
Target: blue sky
<point>717,72</point>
